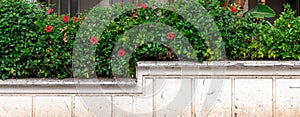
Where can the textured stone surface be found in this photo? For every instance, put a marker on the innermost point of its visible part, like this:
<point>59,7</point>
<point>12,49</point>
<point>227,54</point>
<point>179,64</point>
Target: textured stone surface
<point>164,89</point>
<point>212,101</point>
<point>253,97</point>
<point>11,106</point>
<point>58,106</point>
<point>173,97</point>
<point>93,106</point>
<point>288,98</point>
<point>136,105</point>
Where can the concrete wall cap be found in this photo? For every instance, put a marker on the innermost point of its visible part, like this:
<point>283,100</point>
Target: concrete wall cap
<point>217,63</point>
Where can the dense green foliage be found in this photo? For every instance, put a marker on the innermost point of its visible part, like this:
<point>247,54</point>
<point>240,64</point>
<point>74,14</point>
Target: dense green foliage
<point>36,43</point>
<point>18,37</point>
<point>286,43</point>
<point>250,38</point>
<point>27,50</point>
<point>163,22</point>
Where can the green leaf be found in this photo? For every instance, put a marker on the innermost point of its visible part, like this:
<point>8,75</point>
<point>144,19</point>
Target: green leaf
<point>262,11</point>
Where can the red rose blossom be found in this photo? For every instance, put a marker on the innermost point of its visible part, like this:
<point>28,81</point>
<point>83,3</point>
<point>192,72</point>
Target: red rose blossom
<point>170,35</point>
<point>144,6</point>
<point>75,19</point>
<point>65,18</point>
<point>233,9</point>
<point>94,40</point>
<point>48,28</point>
<point>50,11</point>
<point>121,52</point>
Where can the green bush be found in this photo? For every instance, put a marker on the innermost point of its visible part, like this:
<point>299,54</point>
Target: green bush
<point>18,39</point>
<point>38,44</point>
<point>250,38</point>
<point>240,36</point>
<point>286,45</point>
<point>56,46</point>
<point>238,33</point>
<point>27,50</point>
<point>117,27</point>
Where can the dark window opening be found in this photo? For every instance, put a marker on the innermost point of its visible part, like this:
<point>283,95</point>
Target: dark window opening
<point>73,7</point>
<point>294,5</point>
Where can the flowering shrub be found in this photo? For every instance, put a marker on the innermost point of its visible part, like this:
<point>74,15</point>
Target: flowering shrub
<point>139,16</point>
<point>34,41</point>
<point>56,44</point>
<point>38,43</point>
<point>249,38</point>
<point>239,33</point>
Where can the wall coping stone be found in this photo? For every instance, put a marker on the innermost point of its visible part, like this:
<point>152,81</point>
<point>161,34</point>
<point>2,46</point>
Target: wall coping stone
<point>218,63</point>
<point>287,69</point>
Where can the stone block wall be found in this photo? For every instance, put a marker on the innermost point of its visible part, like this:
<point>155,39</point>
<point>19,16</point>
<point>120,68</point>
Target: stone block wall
<point>164,89</point>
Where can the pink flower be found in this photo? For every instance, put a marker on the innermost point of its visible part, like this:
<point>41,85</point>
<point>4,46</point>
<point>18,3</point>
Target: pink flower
<point>233,9</point>
<point>94,40</point>
<point>121,52</point>
<point>48,28</point>
<point>65,19</point>
<point>50,11</point>
<point>134,14</point>
<point>75,19</point>
<point>144,6</point>
<point>170,35</point>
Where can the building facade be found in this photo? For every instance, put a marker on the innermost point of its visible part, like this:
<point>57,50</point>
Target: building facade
<point>75,6</point>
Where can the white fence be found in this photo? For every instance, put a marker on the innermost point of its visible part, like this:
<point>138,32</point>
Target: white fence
<point>164,89</point>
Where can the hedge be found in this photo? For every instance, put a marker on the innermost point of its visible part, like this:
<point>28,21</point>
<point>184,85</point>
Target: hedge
<point>37,43</point>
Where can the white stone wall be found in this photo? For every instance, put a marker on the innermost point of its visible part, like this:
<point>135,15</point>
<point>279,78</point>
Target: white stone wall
<point>164,89</point>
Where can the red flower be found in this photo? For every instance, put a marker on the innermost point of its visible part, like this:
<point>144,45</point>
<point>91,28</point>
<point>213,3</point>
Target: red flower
<point>50,11</point>
<point>94,40</point>
<point>65,18</point>
<point>170,35</point>
<point>75,19</point>
<point>233,9</point>
<point>134,14</point>
<point>48,28</point>
<point>121,52</point>
<point>144,6</point>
